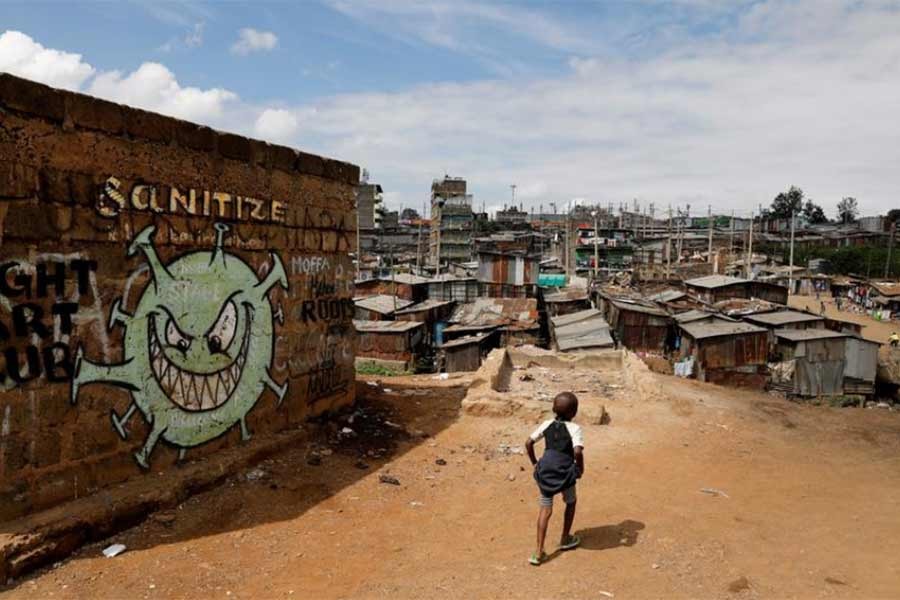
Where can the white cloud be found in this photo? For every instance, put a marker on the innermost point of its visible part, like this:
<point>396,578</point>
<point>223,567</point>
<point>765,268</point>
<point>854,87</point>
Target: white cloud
<point>194,37</point>
<point>252,40</point>
<point>22,56</point>
<point>154,87</point>
<point>276,124</point>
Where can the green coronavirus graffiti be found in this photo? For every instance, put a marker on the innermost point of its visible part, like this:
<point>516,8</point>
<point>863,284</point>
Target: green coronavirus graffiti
<point>197,349</point>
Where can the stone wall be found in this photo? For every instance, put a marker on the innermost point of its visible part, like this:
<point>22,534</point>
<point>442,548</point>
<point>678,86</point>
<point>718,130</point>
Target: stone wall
<point>165,290</point>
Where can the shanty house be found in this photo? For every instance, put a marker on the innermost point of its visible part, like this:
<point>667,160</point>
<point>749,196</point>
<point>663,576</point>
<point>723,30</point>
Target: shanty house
<point>812,362</point>
<point>453,288</point>
<point>433,313</point>
<point>724,351</point>
<point>638,327</point>
<point>714,288</point>
<point>391,344</point>
<point>886,295</point>
<point>378,308</point>
<point>785,319</point>
<point>566,301</point>
<point>515,318</point>
<point>466,353</point>
<point>402,285</point>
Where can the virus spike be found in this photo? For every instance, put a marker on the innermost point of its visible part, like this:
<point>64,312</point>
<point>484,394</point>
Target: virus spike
<point>119,422</point>
<point>143,241</point>
<point>117,316</point>
<point>124,375</point>
<point>142,456</point>
<point>280,390</point>
<point>276,276</point>
<point>221,230</point>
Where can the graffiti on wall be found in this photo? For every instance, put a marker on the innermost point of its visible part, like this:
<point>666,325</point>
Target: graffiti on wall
<point>198,348</point>
<point>41,316</point>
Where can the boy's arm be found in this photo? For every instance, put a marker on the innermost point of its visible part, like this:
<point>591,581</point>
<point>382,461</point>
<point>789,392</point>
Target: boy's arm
<point>529,446</point>
<point>579,460</point>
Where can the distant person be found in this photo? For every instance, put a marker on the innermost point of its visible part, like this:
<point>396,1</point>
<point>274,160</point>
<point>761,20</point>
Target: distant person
<point>895,339</point>
<point>822,308</point>
<point>559,468</point>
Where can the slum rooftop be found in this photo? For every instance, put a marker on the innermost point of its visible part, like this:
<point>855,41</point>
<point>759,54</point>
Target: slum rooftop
<point>718,327</point>
<point>385,326</point>
<point>715,281</point>
<point>784,317</point>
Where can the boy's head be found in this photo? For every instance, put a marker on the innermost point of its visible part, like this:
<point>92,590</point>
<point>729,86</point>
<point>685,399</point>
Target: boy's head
<point>565,405</point>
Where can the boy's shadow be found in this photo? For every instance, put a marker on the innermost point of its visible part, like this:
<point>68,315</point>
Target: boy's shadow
<point>606,537</point>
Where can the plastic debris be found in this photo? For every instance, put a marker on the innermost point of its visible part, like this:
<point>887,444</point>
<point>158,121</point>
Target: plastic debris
<point>607,594</point>
<point>114,550</point>
<point>714,492</point>
<point>255,475</point>
<point>389,479</point>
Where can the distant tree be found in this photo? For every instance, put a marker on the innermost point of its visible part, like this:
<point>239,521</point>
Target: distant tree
<point>786,203</point>
<point>893,215</point>
<point>409,214</point>
<point>847,210</point>
<point>813,213</point>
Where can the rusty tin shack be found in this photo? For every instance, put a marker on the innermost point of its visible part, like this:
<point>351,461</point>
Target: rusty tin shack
<point>466,353</point>
<point>583,330</point>
<point>812,362</point>
<point>714,288</point>
<point>724,351</point>
<point>391,344</point>
<point>433,313</point>
<point>454,288</point>
<point>638,327</point>
<point>566,301</point>
<point>515,318</point>
<point>378,308</point>
<point>402,285</point>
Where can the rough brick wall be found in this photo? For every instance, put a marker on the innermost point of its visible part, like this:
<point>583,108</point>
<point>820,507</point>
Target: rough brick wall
<point>160,278</point>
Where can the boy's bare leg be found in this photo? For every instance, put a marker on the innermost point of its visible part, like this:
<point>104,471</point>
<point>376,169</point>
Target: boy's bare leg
<point>542,522</point>
<point>568,518</point>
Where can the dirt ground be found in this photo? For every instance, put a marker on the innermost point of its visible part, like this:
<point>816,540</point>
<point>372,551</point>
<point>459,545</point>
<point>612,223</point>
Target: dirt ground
<point>800,502</point>
<point>878,331</point>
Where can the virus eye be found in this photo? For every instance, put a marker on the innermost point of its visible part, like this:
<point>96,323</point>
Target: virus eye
<point>175,338</point>
<point>222,332</point>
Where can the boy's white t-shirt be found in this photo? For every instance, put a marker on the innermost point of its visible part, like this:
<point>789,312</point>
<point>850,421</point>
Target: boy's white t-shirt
<point>574,432</point>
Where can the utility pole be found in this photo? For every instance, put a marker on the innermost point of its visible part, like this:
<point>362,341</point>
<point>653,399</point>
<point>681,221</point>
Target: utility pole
<point>888,265</point>
<point>710,227</point>
<point>669,246</point>
<point>731,237</point>
<point>791,266</point>
<point>358,249</point>
<point>748,266</point>
<point>596,251</point>
<point>419,250</point>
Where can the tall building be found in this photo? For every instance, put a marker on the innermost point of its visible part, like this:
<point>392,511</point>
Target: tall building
<point>451,221</point>
<point>368,199</point>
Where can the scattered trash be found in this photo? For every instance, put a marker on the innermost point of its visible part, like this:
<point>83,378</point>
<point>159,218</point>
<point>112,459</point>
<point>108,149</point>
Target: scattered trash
<point>390,479</point>
<point>361,465</point>
<point>387,391</point>
<point>255,475</point>
<point>511,477</point>
<point>416,503</point>
<point>347,431</point>
<point>393,425</point>
<point>507,449</point>
<point>526,377</point>
<point>372,383</point>
<point>714,492</point>
<point>114,550</point>
<point>655,565</point>
<point>440,462</point>
<point>442,376</point>
<point>607,594</point>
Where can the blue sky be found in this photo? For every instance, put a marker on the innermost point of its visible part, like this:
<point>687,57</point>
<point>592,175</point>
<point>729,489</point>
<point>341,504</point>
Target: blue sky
<point>685,102</point>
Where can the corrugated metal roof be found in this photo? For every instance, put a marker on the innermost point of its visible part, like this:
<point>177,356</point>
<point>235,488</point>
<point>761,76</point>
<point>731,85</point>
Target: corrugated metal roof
<point>385,326</point>
<point>622,304</point>
<point>382,303</point>
<point>804,335</point>
<point>694,315</point>
<point>474,339</point>
<point>583,329</point>
<point>519,313</point>
<point>667,296</point>
<point>714,281</point>
<point>718,327</point>
<point>449,277</point>
<point>406,278</point>
<point>887,288</point>
<point>575,317</point>
<point>784,317</point>
<point>567,295</point>
<point>424,305</point>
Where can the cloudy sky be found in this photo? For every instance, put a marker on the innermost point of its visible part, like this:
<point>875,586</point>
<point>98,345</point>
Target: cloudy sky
<point>700,102</point>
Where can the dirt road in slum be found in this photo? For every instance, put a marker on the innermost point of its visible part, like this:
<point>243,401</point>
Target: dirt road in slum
<point>800,502</point>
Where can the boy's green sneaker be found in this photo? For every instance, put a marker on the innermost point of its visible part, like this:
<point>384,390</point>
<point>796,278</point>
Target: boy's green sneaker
<point>570,542</point>
<point>536,560</point>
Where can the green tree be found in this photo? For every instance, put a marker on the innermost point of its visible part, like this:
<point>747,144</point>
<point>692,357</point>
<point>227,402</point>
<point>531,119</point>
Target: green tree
<point>847,209</point>
<point>813,213</point>
<point>787,203</point>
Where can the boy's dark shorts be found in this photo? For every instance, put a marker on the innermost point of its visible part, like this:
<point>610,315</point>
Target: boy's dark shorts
<point>568,495</point>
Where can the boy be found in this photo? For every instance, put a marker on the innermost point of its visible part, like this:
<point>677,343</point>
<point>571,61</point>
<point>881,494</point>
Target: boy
<point>560,466</point>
